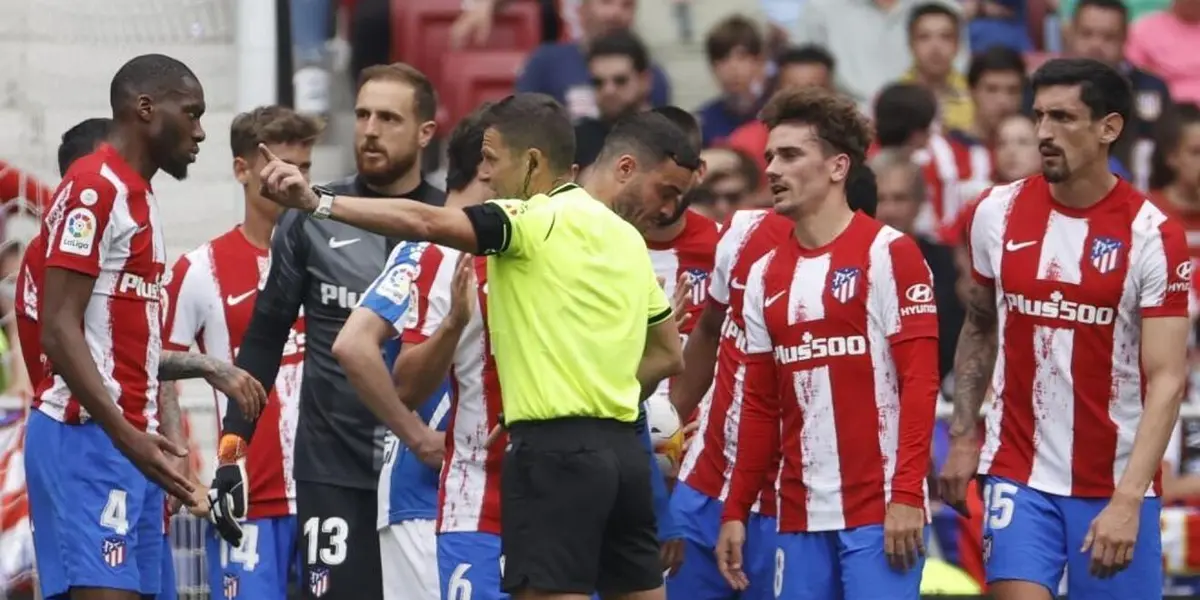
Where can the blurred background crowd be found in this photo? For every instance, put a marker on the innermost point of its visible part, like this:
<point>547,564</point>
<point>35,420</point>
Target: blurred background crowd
<point>944,82</point>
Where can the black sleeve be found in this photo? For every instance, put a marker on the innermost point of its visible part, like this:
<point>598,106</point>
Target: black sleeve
<point>275,311</point>
<point>493,229</point>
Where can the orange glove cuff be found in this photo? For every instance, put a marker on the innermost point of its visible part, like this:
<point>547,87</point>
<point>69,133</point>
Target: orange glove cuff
<point>231,449</point>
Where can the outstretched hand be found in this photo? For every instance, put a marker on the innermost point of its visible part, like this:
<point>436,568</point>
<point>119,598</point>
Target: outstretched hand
<point>284,183</point>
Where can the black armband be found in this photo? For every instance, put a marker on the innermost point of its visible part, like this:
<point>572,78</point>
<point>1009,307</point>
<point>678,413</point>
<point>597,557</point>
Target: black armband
<point>493,228</point>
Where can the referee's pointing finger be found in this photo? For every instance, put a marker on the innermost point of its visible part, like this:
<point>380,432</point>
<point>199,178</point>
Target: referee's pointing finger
<point>266,153</point>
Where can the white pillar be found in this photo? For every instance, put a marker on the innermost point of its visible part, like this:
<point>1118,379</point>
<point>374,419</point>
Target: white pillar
<point>256,50</point>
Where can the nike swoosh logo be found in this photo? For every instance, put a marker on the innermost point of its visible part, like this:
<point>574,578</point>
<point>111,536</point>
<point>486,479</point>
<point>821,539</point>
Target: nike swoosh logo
<point>1012,246</point>
<point>737,285</point>
<point>236,300</point>
<point>772,299</point>
<point>336,243</point>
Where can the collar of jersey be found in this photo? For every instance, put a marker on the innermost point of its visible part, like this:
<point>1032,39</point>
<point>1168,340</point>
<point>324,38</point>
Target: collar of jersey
<point>566,187</point>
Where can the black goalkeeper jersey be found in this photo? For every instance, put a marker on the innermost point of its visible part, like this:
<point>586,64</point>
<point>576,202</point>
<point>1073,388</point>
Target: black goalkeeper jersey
<point>322,267</point>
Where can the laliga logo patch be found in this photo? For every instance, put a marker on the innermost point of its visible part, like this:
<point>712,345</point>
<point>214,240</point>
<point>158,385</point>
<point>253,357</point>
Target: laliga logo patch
<point>79,232</point>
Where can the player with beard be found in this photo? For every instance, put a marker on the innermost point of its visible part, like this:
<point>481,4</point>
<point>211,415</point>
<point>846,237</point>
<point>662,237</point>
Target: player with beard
<point>323,267</point>
<point>578,326</point>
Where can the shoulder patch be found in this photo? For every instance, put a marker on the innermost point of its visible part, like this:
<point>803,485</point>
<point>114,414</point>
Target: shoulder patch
<point>78,232</point>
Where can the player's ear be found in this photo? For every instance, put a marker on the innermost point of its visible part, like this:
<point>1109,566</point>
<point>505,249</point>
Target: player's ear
<point>1110,128</point>
<point>626,167</point>
<point>839,167</point>
<point>425,133</point>
<point>241,170</point>
<point>144,107</point>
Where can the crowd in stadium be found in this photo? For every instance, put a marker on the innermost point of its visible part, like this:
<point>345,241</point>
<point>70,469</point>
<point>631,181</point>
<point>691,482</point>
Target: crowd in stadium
<point>573,286</point>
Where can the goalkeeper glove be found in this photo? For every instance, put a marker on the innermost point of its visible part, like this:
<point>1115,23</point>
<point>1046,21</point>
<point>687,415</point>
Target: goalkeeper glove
<point>229,495</point>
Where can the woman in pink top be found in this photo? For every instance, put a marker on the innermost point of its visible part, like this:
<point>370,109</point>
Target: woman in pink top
<point>1167,44</point>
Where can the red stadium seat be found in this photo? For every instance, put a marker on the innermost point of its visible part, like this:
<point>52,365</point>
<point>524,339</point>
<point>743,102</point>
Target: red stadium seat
<point>421,32</point>
<point>475,76</point>
<point>1036,12</point>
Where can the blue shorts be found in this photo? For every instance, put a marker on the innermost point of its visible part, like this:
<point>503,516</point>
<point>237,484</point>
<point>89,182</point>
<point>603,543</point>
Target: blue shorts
<point>168,589</point>
<point>848,564</point>
<point>1030,535</point>
<point>97,521</point>
<point>699,517</point>
<point>261,567</point>
<point>470,566</point>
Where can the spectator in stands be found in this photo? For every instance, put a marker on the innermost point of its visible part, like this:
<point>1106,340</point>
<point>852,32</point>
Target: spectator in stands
<point>1175,177</point>
<point>1137,8</point>
<point>795,67</point>
<point>933,33</point>
<point>997,23</point>
<point>620,74</point>
<point>868,38</point>
<point>1017,154</point>
<point>1167,43</point>
<point>902,193</point>
<point>737,56</point>
<point>955,173</point>
<point>997,82</point>
<point>733,185</point>
<point>561,71</point>
<point>1098,31</point>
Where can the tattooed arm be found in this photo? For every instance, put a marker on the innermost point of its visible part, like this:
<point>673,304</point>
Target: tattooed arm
<point>226,378</point>
<point>170,418</point>
<point>974,359</point>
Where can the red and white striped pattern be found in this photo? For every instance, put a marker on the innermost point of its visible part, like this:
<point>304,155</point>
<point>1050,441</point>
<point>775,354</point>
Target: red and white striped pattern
<point>708,465</point>
<point>837,393</point>
<point>469,494</point>
<point>955,174</point>
<point>690,255</point>
<point>1072,287</point>
<point>211,293</point>
<point>105,224</point>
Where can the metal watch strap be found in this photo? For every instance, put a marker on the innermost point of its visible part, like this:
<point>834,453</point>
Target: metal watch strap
<point>324,202</point>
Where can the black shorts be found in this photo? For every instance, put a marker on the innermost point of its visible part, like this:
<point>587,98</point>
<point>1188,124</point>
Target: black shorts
<point>578,509</point>
<point>343,562</point>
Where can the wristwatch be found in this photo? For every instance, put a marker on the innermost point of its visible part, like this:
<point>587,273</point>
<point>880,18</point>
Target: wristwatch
<point>324,202</point>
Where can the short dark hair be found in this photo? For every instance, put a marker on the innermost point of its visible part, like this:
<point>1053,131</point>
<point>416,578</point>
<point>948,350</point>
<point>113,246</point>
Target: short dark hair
<point>528,120</point>
<point>1102,88</point>
<point>271,125</point>
<point>809,54</point>
<point>930,9</point>
<point>152,74</point>
<point>836,120</point>
<point>862,192</point>
<point>463,149</point>
<point>1167,138</point>
<point>685,121</point>
<point>621,43</point>
<point>1113,5</point>
<point>81,140</point>
<point>995,59</point>
<point>651,138</point>
<point>730,34</point>
<point>901,110</point>
<point>425,98</point>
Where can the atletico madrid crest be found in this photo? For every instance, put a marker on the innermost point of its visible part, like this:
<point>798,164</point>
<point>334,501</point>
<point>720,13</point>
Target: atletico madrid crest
<point>318,581</point>
<point>1106,254</point>
<point>230,583</point>
<point>113,549</point>
<point>844,286</point>
<point>698,278</point>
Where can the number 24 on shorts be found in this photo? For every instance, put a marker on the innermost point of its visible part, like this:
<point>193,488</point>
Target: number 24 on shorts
<point>999,504</point>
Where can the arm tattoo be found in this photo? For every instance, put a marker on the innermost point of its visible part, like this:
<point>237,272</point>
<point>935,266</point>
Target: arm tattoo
<point>188,365</point>
<point>974,359</point>
<point>169,414</point>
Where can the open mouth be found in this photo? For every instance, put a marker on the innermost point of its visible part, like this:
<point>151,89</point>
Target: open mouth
<point>778,189</point>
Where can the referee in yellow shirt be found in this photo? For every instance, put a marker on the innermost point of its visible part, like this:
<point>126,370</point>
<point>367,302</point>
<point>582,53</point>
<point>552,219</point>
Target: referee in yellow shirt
<point>578,325</point>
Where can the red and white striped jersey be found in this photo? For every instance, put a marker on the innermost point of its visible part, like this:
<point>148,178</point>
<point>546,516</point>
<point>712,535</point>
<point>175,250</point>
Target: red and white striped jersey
<point>105,224</point>
<point>956,173</point>
<point>210,294</point>
<point>825,333</point>
<point>469,492</point>
<point>690,255</point>
<point>709,463</point>
<point>29,278</point>
<point>1072,288</point>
